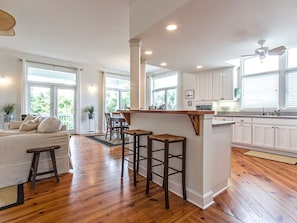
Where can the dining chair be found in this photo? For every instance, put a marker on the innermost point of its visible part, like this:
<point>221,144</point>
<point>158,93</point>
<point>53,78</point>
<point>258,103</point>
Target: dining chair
<point>111,127</point>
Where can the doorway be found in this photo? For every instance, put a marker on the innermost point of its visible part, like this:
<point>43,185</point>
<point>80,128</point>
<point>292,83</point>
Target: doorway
<point>53,100</point>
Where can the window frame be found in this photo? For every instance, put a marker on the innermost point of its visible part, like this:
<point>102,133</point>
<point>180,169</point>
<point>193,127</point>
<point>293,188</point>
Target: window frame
<point>118,90</point>
<point>165,89</point>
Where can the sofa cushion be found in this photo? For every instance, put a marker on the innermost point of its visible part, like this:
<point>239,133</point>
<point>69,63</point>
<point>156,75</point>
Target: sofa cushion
<point>49,125</point>
<point>15,124</point>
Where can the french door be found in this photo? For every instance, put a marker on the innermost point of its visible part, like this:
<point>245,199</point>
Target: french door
<point>53,100</point>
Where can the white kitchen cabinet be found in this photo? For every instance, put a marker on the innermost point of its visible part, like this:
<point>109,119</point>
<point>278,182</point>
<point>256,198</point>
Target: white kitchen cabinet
<point>263,135</point>
<point>204,86</point>
<point>222,84</point>
<point>276,134</point>
<point>242,130</point>
<point>286,138</point>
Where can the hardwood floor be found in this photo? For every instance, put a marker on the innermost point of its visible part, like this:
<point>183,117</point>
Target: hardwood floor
<point>260,191</point>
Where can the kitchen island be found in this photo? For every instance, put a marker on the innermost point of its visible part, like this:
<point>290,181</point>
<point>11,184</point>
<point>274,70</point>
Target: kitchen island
<point>208,161</point>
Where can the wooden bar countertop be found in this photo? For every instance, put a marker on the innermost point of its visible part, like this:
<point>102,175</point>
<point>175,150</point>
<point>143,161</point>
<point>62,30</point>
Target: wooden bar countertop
<point>193,115</point>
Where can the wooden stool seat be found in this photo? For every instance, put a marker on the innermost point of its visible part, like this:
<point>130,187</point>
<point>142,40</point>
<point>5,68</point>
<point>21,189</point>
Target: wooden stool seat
<point>137,132</point>
<point>166,139</point>
<point>34,165</point>
<point>135,151</point>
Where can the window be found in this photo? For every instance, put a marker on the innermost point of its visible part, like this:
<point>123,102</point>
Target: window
<point>292,57</point>
<point>291,92</point>
<point>260,82</point>
<point>164,90</point>
<point>117,93</point>
<point>291,79</point>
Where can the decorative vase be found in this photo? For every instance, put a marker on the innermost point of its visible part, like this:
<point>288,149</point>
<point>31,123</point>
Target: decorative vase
<point>90,115</point>
<point>8,117</point>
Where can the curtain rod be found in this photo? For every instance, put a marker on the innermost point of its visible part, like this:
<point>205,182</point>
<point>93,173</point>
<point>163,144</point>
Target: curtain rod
<point>55,65</point>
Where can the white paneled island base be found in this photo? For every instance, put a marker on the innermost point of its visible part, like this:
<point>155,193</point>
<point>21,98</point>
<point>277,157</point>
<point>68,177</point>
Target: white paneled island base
<point>208,159</point>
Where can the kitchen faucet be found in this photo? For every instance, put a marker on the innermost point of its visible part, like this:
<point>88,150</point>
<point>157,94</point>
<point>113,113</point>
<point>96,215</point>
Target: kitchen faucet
<point>277,111</point>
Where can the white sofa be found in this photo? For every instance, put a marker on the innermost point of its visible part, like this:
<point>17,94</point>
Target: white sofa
<point>15,162</point>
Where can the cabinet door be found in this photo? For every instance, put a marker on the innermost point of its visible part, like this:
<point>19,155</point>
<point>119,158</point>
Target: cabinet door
<point>237,133</point>
<point>217,85</point>
<point>242,133</point>
<point>263,135</point>
<point>204,88</point>
<point>246,134</point>
<point>286,138</point>
<point>227,85</point>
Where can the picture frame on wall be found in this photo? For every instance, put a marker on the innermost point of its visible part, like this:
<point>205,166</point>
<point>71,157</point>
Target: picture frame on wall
<point>189,94</point>
<point>189,103</point>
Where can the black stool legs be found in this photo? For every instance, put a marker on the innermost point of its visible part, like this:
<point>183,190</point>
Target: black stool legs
<point>135,151</point>
<point>166,139</point>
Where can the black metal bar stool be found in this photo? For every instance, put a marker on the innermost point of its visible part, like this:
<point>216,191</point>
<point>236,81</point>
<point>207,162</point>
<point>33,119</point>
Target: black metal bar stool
<point>135,151</point>
<point>166,139</point>
<point>34,165</point>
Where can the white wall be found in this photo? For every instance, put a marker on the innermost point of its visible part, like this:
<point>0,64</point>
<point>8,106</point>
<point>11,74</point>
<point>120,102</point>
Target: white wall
<point>189,83</point>
<point>10,91</point>
<point>90,90</point>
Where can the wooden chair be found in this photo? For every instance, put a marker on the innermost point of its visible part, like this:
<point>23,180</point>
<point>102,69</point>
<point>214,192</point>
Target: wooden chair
<point>111,127</point>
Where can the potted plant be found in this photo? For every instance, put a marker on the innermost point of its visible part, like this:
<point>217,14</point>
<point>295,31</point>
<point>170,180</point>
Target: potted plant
<point>8,110</point>
<point>91,110</point>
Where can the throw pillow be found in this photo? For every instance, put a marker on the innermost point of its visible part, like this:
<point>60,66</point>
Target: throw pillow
<point>49,125</point>
<point>29,125</point>
<point>29,117</point>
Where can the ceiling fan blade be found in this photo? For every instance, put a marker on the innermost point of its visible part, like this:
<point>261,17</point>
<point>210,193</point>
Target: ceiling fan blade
<point>7,21</point>
<point>277,51</point>
<point>248,55</point>
<point>7,33</point>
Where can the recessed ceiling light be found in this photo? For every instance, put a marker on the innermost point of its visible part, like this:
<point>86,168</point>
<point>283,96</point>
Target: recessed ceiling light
<point>148,52</point>
<point>171,27</point>
<point>199,66</point>
<point>163,64</point>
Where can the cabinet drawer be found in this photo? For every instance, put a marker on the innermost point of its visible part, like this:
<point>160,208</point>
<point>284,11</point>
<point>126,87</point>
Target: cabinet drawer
<point>242,120</point>
<point>275,121</point>
<point>223,118</point>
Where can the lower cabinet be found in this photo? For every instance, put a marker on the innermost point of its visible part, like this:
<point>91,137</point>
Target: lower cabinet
<point>242,130</point>
<point>286,138</point>
<point>263,135</point>
<point>276,137</point>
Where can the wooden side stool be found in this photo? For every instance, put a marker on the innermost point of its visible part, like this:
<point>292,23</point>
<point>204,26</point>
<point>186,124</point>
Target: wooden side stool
<point>166,139</point>
<point>135,151</point>
<point>34,165</point>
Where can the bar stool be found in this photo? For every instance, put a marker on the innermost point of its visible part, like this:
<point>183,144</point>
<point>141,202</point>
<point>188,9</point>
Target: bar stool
<point>166,139</point>
<point>34,165</point>
<point>135,151</point>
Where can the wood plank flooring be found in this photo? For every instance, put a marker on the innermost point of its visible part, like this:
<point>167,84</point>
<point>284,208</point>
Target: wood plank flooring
<point>260,191</point>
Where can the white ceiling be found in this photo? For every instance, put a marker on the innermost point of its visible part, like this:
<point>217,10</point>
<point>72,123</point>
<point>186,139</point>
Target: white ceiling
<point>96,32</point>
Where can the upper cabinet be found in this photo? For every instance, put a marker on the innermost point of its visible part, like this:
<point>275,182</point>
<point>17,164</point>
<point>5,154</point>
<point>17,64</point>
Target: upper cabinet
<point>222,84</point>
<point>204,86</point>
<point>215,85</point>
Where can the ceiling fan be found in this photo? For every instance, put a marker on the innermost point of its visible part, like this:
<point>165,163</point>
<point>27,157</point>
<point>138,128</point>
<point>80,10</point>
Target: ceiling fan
<point>263,51</point>
<point>7,22</point>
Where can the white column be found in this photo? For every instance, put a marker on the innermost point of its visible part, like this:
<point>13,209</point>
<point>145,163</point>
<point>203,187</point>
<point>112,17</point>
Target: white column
<point>135,59</point>
<point>142,85</point>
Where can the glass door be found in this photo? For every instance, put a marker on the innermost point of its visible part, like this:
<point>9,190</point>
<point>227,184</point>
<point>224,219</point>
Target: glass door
<point>65,107</point>
<point>53,101</point>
